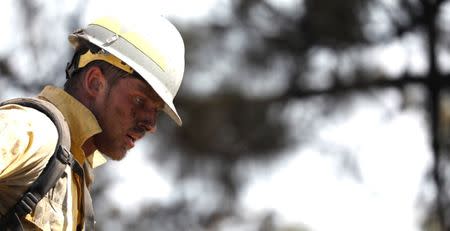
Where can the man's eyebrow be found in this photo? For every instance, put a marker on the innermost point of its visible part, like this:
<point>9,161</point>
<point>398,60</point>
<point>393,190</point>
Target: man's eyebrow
<point>144,87</point>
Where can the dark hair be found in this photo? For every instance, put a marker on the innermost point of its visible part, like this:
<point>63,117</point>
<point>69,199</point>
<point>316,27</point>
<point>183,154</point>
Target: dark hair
<point>73,81</point>
<point>112,74</point>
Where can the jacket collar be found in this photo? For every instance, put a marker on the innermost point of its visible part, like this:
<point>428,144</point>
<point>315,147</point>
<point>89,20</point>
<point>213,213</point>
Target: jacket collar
<point>82,123</point>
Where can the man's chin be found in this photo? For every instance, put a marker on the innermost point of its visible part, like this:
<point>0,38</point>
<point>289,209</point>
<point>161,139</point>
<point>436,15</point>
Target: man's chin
<point>118,155</point>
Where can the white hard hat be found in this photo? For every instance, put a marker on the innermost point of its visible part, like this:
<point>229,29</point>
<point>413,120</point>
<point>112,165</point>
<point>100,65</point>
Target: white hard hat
<point>152,47</point>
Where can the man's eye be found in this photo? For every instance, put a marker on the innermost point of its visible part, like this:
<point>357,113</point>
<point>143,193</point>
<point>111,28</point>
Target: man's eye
<point>138,100</point>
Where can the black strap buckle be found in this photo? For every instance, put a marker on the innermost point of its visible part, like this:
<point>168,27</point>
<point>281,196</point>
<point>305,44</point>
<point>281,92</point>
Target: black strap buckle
<point>64,155</point>
<point>27,204</point>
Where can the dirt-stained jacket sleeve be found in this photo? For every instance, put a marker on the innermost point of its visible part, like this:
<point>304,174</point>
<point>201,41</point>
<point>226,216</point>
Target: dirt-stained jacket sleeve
<point>27,140</point>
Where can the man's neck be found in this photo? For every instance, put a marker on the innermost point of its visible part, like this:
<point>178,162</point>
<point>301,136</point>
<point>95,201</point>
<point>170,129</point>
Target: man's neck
<point>89,147</point>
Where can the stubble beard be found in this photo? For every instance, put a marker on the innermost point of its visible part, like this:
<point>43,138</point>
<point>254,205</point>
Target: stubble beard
<point>110,145</point>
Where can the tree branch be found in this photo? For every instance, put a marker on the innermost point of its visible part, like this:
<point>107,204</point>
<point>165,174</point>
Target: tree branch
<point>360,86</point>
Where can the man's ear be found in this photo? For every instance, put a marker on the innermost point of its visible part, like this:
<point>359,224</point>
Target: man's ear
<point>94,81</point>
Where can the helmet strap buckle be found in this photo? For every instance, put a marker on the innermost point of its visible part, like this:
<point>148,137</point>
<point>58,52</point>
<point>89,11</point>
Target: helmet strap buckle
<point>110,40</point>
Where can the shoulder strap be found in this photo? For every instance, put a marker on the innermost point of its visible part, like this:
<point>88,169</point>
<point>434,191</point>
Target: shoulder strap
<point>52,171</point>
<point>50,111</point>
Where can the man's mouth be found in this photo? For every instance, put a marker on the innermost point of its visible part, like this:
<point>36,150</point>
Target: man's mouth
<point>133,136</point>
<point>130,140</point>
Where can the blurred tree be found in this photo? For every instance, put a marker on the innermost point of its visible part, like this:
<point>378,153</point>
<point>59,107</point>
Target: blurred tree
<point>31,62</point>
<point>342,29</point>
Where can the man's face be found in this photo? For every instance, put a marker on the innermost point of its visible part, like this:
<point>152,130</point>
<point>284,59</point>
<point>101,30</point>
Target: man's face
<point>125,112</point>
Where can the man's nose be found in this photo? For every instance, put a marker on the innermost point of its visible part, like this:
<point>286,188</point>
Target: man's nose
<point>148,122</point>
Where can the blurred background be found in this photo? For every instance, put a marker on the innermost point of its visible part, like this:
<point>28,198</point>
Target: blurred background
<point>299,115</point>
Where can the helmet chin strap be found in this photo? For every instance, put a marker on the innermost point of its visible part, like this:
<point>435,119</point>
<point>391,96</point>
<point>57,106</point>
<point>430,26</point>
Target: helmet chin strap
<point>72,66</point>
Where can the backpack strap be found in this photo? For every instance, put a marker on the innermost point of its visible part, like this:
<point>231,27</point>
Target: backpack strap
<point>52,171</point>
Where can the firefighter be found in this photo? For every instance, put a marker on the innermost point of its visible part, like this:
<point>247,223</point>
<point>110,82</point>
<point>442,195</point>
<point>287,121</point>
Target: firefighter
<point>122,74</point>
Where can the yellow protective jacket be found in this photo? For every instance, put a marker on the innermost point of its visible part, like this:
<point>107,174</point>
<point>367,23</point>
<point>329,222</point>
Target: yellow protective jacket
<point>27,140</point>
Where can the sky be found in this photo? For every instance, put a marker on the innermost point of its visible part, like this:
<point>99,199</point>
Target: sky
<point>385,196</point>
<point>191,11</point>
